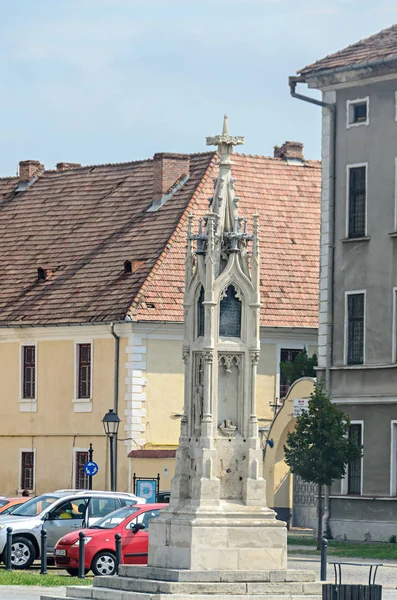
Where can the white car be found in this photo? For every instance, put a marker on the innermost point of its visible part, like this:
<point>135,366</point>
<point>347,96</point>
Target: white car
<point>59,513</point>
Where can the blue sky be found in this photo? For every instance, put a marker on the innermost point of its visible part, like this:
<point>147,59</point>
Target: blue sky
<point>95,81</point>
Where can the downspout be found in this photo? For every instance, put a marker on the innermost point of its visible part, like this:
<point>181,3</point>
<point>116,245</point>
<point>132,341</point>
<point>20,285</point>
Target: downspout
<point>115,390</point>
<point>293,81</point>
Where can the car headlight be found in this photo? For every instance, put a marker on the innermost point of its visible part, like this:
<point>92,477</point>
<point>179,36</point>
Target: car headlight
<point>86,540</point>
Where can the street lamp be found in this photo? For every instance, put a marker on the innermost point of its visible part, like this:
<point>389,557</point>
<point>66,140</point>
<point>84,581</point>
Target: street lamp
<point>111,424</point>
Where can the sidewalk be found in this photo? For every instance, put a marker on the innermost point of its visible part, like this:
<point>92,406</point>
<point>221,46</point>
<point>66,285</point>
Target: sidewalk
<point>28,592</point>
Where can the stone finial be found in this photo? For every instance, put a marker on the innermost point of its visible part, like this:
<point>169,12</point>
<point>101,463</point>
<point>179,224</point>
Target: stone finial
<point>225,142</point>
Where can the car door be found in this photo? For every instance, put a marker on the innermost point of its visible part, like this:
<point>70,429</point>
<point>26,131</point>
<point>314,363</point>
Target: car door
<point>135,545</point>
<point>99,507</point>
<point>64,518</point>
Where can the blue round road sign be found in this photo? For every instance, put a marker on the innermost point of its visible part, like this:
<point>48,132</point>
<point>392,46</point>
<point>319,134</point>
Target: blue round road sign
<point>90,468</point>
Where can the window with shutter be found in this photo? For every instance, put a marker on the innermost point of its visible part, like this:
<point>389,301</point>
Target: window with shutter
<point>354,470</point>
<point>286,355</point>
<point>81,479</point>
<point>355,329</point>
<point>27,470</point>
<point>357,201</point>
<point>84,370</point>
<point>29,372</point>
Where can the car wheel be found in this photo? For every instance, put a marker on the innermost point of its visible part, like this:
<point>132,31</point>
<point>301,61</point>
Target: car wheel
<point>23,553</point>
<point>75,572</point>
<point>104,563</point>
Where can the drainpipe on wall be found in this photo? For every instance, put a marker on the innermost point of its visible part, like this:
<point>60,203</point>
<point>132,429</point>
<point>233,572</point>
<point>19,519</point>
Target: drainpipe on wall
<point>115,390</point>
<point>293,81</point>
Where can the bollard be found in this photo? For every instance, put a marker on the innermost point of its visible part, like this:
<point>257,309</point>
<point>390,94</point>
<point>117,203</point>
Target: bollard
<point>117,537</point>
<point>8,549</point>
<point>43,557</point>
<point>324,547</point>
<point>81,574</point>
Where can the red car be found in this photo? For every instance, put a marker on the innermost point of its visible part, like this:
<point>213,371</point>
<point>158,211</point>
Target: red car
<point>100,546</point>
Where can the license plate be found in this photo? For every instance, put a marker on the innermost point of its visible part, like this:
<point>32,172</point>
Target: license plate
<point>59,552</point>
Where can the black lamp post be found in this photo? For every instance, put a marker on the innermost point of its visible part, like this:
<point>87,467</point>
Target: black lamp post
<point>111,424</point>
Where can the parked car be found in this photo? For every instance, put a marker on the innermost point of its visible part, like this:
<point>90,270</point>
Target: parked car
<point>59,513</point>
<point>130,522</point>
<point>7,505</point>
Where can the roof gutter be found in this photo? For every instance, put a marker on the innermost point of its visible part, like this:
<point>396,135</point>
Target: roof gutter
<point>293,81</point>
<point>115,390</point>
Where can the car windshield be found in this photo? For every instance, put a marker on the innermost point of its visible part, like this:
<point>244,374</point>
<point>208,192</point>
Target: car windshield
<point>35,506</point>
<point>115,518</point>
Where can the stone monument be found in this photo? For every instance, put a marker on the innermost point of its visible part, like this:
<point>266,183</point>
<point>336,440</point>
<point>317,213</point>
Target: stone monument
<point>217,537</point>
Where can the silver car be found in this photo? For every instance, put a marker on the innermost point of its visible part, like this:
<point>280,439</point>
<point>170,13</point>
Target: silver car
<point>59,513</point>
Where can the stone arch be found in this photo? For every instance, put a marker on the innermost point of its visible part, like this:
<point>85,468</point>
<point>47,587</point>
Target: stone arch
<point>279,480</point>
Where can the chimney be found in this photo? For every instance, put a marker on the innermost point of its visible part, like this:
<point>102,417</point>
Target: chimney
<point>28,169</point>
<point>168,169</point>
<point>290,150</point>
<point>65,166</point>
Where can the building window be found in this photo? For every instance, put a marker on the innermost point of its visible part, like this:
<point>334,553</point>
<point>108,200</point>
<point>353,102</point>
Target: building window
<point>286,355</point>
<point>27,470</point>
<point>357,112</point>
<point>84,370</point>
<point>200,313</point>
<point>354,469</point>
<point>29,372</point>
<point>357,183</point>
<point>80,478</point>
<point>230,314</point>
<point>355,329</point>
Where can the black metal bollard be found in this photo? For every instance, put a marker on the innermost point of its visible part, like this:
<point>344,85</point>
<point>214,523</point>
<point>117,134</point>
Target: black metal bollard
<point>324,547</point>
<point>8,549</point>
<point>117,537</point>
<point>43,557</point>
<point>81,555</point>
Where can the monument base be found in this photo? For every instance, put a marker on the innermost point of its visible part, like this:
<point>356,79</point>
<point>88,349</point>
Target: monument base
<point>230,536</point>
<point>152,583</point>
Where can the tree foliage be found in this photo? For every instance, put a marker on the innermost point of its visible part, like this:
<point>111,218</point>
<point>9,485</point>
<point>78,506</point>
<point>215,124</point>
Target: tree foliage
<point>319,448</point>
<point>302,366</point>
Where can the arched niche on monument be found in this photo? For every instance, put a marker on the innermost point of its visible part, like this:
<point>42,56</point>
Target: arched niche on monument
<point>230,309</point>
<point>200,313</point>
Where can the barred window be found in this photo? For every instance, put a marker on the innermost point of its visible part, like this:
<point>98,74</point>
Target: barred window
<point>80,478</point>
<point>200,313</point>
<point>84,370</point>
<point>27,471</point>
<point>230,314</point>
<point>357,201</point>
<point>29,372</point>
<point>354,469</point>
<point>355,329</point>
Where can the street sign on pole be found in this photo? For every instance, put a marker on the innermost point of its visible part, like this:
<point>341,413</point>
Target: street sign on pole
<point>300,404</point>
<point>91,468</point>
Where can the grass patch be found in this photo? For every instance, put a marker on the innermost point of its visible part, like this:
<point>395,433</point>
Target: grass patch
<point>30,578</point>
<point>370,550</point>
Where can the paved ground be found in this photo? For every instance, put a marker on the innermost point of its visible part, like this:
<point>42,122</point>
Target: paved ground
<point>387,577</point>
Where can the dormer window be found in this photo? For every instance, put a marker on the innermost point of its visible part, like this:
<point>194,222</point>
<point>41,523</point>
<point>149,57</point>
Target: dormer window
<point>200,313</point>
<point>230,314</point>
<point>357,112</point>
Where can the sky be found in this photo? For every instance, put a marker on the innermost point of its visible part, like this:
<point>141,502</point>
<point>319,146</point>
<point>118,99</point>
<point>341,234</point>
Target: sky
<point>99,81</point>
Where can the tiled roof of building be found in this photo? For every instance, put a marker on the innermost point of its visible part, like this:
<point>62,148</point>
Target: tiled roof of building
<point>382,45</point>
<point>82,224</point>
<point>287,198</point>
<point>152,454</point>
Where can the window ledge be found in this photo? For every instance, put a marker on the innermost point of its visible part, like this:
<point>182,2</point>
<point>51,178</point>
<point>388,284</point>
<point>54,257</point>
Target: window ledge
<point>358,497</point>
<point>393,234</point>
<point>82,405</point>
<point>27,405</point>
<point>364,238</point>
<point>82,400</point>
<point>364,366</point>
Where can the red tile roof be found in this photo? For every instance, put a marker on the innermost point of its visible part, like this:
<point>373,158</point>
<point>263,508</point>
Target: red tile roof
<point>82,224</point>
<point>382,45</point>
<point>287,198</point>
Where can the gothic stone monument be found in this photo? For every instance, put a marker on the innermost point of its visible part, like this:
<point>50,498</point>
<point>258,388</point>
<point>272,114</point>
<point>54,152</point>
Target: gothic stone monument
<point>217,537</point>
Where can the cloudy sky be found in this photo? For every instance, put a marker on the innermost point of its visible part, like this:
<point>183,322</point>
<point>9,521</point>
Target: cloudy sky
<point>95,81</point>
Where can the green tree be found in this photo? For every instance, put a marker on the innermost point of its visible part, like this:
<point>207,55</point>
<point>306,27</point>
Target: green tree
<point>302,366</point>
<point>319,448</point>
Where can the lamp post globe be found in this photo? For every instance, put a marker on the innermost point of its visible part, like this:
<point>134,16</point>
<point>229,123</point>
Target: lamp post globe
<point>111,424</point>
